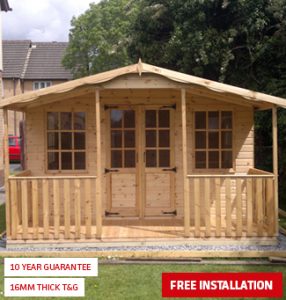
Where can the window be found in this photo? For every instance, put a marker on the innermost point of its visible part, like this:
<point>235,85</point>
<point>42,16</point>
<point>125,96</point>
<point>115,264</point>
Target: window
<point>66,141</point>
<point>123,138</point>
<point>157,138</point>
<point>213,140</point>
<point>41,84</point>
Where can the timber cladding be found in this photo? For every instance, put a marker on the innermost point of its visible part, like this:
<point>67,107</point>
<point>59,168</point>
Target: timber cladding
<point>243,143</point>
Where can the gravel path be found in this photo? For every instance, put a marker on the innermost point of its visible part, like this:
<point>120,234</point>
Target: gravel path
<point>280,247</point>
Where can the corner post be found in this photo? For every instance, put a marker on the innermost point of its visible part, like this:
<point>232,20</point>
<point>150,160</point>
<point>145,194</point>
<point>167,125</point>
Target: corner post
<point>7,173</point>
<point>185,165</point>
<point>275,165</point>
<point>98,200</point>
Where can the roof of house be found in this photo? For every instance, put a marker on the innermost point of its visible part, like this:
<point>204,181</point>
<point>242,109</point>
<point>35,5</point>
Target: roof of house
<point>178,80</point>
<point>46,61</point>
<point>5,5</point>
<point>34,60</point>
<point>14,57</point>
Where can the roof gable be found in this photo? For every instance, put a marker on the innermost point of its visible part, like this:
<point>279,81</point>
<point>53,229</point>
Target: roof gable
<point>184,81</point>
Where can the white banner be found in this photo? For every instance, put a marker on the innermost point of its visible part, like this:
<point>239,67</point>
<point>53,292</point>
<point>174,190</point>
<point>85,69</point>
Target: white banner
<point>49,267</point>
<point>44,287</point>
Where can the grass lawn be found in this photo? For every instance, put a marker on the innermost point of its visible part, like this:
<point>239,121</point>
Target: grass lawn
<point>282,222</point>
<point>2,218</point>
<point>144,281</point>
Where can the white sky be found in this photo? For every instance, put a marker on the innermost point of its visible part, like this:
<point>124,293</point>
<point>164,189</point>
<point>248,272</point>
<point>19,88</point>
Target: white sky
<point>41,20</point>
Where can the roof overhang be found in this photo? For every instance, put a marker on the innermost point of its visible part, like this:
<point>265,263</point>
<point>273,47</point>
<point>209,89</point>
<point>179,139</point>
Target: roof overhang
<point>162,79</point>
<point>5,5</point>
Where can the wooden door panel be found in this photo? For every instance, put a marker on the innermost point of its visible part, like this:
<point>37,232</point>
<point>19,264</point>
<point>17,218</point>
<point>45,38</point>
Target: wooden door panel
<point>123,191</point>
<point>158,191</point>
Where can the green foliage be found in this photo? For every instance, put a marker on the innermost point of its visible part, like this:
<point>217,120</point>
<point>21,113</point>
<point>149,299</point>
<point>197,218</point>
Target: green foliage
<point>99,37</point>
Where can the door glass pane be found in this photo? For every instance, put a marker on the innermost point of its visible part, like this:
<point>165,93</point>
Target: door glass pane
<point>66,120</point>
<point>79,120</point>
<point>79,140</point>
<point>226,139</point>
<point>226,119</point>
<point>129,119</point>
<point>151,158</point>
<point>213,120</point>
<point>164,138</point>
<point>164,118</point>
<point>66,160</point>
<point>150,118</point>
<point>53,140</point>
<point>66,140</point>
<point>200,120</point>
<point>79,160</point>
<point>116,117</point>
<point>226,159</point>
<point>53,160</point>
<point>129,139</point>
<point>213,159</point>
<point>116,139</point>
<point>200,159</point>
<point>214,140</point>
<point>53,121</point>
<point>116,159</point>
<point>150,138</point>
<point>164,158</point>
<point>200,140</point>
<point>129,158</point>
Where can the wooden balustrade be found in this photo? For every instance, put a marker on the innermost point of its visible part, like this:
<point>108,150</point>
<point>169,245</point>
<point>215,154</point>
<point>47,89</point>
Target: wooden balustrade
<point>54,207</point>
<point>232,205</point>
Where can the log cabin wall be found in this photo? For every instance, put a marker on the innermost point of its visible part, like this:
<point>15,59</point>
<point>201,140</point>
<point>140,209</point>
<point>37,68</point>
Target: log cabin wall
<point>243,134</point>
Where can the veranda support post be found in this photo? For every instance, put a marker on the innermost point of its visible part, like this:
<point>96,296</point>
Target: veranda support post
<point>98,204</point>
<point>7,173</point>
<point>275,164</point>
<point>185,166</point>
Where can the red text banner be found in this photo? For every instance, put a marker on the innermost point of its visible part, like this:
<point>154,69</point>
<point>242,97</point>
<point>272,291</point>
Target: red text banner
<point>192,285</point>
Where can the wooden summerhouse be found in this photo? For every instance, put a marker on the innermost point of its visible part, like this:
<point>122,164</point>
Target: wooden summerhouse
<point>141,154</point>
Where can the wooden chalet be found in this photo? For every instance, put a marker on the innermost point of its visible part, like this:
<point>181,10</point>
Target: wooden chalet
<point>141,155</point>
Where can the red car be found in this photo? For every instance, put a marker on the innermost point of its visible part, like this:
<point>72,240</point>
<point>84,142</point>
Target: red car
<point>14,148</point>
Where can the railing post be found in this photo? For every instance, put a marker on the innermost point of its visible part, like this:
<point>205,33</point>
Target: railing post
<point>275,165</point>
<point>6,174</point>
<point>185,166</point>
<point>98,200</point>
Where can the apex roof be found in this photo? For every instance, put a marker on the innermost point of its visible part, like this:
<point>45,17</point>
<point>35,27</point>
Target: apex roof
<point>180,80</point>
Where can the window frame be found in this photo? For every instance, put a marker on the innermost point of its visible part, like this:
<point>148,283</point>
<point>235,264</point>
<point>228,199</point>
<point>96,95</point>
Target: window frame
<point>60,171</point>
<point>46,82</point>
<point>207,149</point>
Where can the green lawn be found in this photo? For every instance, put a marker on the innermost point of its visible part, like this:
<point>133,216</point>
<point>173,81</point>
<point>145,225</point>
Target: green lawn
<point>2,218</point>
<point>282,222</point>
<point>144,281</point>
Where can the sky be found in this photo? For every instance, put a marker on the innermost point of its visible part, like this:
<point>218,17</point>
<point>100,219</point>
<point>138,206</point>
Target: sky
<point>41,20</point>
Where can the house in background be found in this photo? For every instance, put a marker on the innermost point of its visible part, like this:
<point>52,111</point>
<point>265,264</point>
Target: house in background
<point>141,154</point>
<point>4,6</point>
<point>29,66</point>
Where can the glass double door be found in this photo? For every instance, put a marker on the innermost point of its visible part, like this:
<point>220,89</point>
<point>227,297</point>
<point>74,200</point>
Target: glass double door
<point>140,168</point>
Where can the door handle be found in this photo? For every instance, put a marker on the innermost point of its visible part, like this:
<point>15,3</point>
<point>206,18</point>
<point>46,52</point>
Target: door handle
<point>108,213</point>
<point>110,170</point>
<point>174,213</point>
<point>170,169</point>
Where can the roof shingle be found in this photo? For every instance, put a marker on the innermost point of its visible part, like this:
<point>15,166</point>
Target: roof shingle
<point>14,57</point>
<point>34,60</point>
<point>45,61</point>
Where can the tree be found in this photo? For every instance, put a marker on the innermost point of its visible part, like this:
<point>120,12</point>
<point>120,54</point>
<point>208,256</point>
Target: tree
<point>229,41</point>
<point>99,37</point>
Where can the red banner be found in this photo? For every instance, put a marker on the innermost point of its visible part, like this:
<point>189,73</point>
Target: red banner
<point>226,285</point>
